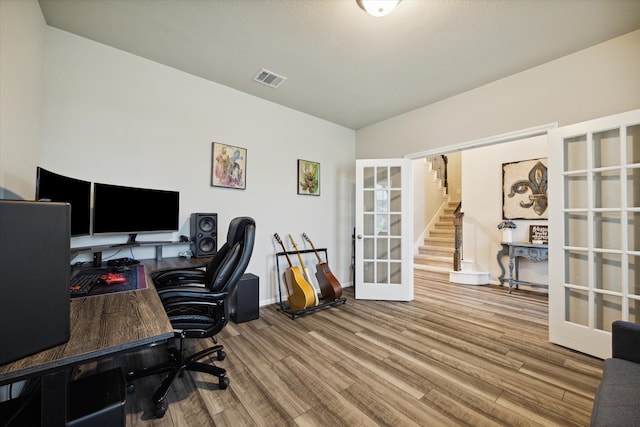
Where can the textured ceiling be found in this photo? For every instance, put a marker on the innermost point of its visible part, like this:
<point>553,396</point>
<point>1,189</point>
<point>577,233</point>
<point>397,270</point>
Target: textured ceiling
<point>343,65</point>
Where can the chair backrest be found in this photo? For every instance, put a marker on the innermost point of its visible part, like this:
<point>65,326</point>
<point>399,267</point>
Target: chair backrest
<point>232,259</point>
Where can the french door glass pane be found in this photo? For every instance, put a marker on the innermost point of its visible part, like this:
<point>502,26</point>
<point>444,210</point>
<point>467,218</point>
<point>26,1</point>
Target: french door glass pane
<point>368,248</point>
<point>576,306</point>
<point>633,231</point>
<point>575,190</point>
<point>575,153</point>
<point>382,252</point>
<point>368,177</point>
<point>607,230</point>
<point>395,270</point>
<point>382,177</point>
<point>396,201</point>
<point>576,268</point>
<point>396,249</point>
<point>608,271</point>
<point>383,273</point>
<point>634,275</point>
<point>395,226</point>
<point>368,201</point>
<point>606,187</point>
<point>576,228</point>
<point>606,148</point>
<point>634,311</point>
<point>607,309</point>
<point>382,224</point>
<point>396,177</point>
<point>633,188</point>
<point>369,225</point>
<point>368,273</point>
<point>633,144</point>
<point>382,201</point>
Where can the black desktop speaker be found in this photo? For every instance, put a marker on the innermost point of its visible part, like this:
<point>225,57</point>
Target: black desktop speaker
<point>204,234</point>
<point>34,288</point>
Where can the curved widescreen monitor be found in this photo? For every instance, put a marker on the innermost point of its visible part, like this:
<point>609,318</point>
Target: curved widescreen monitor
<point>54,187</point>
<point>118,209</point>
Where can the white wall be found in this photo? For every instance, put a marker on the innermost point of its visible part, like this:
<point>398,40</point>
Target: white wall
<point>482,206</point>
<point>595,82</point>
<point>22,44</point>
<point>116,118</point>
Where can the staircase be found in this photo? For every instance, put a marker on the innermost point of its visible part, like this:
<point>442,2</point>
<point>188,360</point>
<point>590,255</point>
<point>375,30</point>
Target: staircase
<point>434,260</point>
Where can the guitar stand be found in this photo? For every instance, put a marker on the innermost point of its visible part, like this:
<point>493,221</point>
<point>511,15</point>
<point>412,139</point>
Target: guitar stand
<point>283,307</point>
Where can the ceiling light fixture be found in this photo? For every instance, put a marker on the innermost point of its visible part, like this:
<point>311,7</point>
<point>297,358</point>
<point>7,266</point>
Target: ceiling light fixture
<point>377,7</point>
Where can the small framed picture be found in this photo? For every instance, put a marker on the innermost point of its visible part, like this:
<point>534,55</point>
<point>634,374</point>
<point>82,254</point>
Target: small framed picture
<point>308,177</point>
<point>228,166</point>
<point>539,234</point>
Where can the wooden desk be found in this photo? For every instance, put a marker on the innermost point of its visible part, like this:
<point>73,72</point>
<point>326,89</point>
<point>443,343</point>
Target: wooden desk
<point>100,326</point>
<point>530,251</point>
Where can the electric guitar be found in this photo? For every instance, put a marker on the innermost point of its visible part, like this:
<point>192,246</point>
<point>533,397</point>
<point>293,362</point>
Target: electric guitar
<point>330,286</point>
<point>300,292</point>
<point>304,269</point>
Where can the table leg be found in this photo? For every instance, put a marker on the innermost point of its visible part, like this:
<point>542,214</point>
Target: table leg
<point>54,399</point>
<point>511,265</point>
<point>501,253</point>
<point>517,262</point>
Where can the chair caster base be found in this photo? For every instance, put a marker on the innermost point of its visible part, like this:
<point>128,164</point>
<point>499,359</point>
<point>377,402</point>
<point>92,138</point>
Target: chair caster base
<point>160,410</point>
<point>223,382</point>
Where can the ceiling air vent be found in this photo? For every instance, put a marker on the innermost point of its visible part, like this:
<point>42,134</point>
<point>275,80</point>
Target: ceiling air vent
<point>269,78</point>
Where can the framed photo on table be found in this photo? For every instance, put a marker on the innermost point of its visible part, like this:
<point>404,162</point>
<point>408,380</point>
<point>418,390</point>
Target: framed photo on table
<point>228,166</point>
<point>308,177</point>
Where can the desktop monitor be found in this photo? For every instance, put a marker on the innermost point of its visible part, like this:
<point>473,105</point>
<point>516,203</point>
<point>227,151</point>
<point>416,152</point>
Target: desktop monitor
<point>34,289</point>
<point>132,210</point>
<point>54,187</point>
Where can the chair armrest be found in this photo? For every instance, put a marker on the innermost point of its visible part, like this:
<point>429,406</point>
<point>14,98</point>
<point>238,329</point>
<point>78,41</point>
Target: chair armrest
<point>625,341</point>
<point>178,277</point>
<point>191,293</point>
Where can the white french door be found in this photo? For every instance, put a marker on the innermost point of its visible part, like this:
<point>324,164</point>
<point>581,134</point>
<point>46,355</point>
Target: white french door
<point>384,230</point>
<point>594,229</point>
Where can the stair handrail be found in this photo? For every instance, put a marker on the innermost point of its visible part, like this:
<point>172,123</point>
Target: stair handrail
<point>457,223</point>
<point>439,166</point>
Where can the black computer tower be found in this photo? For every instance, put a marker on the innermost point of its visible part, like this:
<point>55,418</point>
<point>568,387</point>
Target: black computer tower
<point>245,299</point>
<point>98,400</point>
<point>34,277</point>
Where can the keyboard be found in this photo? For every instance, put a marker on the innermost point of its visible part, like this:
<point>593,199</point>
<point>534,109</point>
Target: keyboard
<point>81,284</point>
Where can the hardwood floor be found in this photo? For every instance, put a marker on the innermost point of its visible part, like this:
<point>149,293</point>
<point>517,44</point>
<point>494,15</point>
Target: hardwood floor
<point>456,355</point>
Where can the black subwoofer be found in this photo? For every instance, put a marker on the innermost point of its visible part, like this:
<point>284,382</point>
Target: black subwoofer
<point>244,299</point>
<point>204,234</point>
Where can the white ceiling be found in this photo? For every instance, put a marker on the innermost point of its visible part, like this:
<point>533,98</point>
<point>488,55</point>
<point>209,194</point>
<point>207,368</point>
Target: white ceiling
<point>343,65</point>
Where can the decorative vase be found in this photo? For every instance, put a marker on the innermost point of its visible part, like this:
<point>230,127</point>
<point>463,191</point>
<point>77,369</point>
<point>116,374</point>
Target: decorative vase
<point>507,235</point>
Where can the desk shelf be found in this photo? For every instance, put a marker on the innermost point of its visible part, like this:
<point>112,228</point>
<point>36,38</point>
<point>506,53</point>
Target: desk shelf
<point>98,249</point>
<point>283,306</point>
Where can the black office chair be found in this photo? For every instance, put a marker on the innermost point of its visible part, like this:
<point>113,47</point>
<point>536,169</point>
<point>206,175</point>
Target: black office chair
<point>202,311</point>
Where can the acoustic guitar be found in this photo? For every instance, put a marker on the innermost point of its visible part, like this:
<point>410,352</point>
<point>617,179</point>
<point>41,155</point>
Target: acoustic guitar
<point>304,269</point>
<point>330,286</point>
<point>300,292</point>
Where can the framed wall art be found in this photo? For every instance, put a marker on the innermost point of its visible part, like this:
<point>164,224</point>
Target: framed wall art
<point>524,190</point>
<point>308,177</point>
<point>228,166</point>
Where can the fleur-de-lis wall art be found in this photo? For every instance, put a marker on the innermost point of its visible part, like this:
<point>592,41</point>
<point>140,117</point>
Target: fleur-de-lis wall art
<point>525,190</point>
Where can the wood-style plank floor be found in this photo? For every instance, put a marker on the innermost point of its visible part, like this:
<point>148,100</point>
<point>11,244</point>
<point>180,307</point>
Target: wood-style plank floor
<point>457,355</point>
